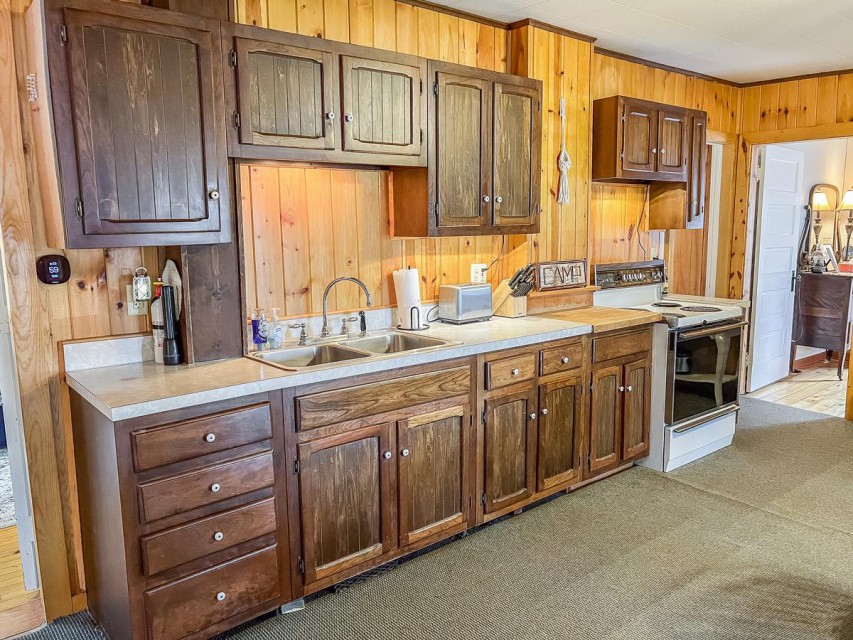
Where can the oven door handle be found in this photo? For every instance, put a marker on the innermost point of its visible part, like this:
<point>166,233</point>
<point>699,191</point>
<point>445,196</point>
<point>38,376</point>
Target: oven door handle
<point>698,421</point>
<point>719,328</point>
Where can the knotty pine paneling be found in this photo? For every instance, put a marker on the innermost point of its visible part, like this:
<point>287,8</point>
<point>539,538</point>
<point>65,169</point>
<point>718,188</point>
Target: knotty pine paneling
<point>290,256</point>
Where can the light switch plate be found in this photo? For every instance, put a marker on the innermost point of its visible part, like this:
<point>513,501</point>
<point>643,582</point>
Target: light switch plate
<point>134,308</point>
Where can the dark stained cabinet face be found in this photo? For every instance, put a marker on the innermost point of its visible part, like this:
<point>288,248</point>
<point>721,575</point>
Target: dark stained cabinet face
<point>510,449</point>
<point>147,160</point>
<point>287,95</point>
<point>672,140</point>
<point>560,432</point>
<point>381,106</point>
<point>344,487</point>
<point>635,439</point>
<point>516,156</point>
<point>605,426</point>
<point>432,480</point>
<point>640,132</point>
<point>697,172</point>
<point>462,141</point>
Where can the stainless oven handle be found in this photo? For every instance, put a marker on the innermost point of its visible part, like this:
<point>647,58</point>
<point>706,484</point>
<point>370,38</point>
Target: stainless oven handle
<point>698,421</point>
<point>698,333</point>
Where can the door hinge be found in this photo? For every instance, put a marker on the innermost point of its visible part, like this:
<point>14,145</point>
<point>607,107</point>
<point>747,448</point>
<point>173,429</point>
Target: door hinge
<point>63,34</point>
<point>78,208</point>
<point>435,212</point>
<point>237,120</point>
<point>588,459</point>
<point>422,136</point>
<point>484,417</point>
<point>296,466</point>
<point>301,564</point>
<point>435,89</point>
<point>483,499</point>
<point>233,58</point>
<point>422,86</point>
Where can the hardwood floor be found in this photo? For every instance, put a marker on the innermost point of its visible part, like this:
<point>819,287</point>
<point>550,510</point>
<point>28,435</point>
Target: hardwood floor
<point>817,388</point>
<point>20,610</point>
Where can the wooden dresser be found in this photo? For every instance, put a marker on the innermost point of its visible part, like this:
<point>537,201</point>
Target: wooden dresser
<point>822,314</point>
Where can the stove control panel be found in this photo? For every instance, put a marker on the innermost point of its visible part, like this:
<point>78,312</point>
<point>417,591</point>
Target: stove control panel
<point>629,274</point>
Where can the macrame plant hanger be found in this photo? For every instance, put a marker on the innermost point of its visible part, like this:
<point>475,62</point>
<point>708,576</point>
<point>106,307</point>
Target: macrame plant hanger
<point>564,162</point>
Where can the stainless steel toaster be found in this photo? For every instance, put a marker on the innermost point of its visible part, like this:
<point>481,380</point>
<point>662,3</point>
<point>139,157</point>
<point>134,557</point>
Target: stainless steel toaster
<point>461,303</point>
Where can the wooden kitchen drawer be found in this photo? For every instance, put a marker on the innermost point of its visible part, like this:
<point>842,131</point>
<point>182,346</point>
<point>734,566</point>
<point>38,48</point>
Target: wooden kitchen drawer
<point>200,538</point>
<point>563,358</point>
<point>176,494</point>
<point>624,344</point>
<point>186,606</point>
<point>329,407</point>
<point>208,434</point>
<point>500,373</point>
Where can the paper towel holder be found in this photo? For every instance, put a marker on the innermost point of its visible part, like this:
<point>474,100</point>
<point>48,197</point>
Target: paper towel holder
<point>415,321</point>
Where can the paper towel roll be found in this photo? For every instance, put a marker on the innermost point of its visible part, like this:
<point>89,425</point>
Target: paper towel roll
<point>407,284</point>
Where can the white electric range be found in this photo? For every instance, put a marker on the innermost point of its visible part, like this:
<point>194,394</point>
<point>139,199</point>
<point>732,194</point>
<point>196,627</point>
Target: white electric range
<point>696,362</point>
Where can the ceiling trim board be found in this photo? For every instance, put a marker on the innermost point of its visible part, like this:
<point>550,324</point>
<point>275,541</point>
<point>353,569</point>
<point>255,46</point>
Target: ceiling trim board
<point>440,8</point>
<point>665,67</point>
<point>805,76</point>
<point>531,22</point>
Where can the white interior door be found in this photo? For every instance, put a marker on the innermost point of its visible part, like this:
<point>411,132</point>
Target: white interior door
<point>779,220</point>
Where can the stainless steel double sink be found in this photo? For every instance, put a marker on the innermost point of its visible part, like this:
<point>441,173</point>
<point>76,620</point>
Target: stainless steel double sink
<point>339,350</point>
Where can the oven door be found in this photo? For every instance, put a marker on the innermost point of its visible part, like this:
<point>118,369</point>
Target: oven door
<point>703,371</point>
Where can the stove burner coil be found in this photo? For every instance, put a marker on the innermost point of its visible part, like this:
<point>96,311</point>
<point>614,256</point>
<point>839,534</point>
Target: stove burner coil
<point>665,304</point>
<point>673,315</point>
<point>700,309</point>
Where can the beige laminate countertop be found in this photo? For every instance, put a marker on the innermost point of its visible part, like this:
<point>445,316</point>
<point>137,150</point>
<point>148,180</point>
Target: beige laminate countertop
<point>127,391</point>
<point>603,319</point>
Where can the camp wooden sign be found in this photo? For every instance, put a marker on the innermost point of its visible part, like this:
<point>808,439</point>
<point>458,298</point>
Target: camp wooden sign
<point>560,274</point>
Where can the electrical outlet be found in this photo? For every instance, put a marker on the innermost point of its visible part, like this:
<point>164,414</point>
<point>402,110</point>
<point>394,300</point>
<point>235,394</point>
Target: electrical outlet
<point>478,273</point>
<point>135,308</point>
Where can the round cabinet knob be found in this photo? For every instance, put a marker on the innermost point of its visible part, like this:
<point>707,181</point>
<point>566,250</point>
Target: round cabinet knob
<point>214,194</point>
<point>564,360</point>
<point>630,388</point>
<point>220,596</point>
<point>515,372</point>
<point>210,437</point>
<point>621,388</point>
<point>218,536</point>
<point>330,115</point>
<point>532,416</point>
<point>348,117</point>
<point>544,412</point>
<point>215,487</point>
<point>486,199</point>
<point>663,151</point>
<point>655,150</point>
<point>405,453</point>
<point>387,455</point>
<point>499,199</point>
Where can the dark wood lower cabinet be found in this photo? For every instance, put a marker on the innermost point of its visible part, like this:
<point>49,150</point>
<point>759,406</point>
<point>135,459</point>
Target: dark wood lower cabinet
<point>605,425</point>
<point>635,440</point>
<point>509,449</point>
<point>560,432</point>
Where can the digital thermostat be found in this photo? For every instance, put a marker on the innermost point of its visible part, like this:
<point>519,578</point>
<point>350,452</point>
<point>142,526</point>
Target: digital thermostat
<point>53,269</point>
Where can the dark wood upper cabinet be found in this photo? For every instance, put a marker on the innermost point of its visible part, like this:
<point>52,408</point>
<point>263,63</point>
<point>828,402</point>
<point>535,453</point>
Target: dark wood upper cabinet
<point>516,156</point>
<point>639,141</point>
<point>382,106</point>
<point>484,157</point>
<point>509,449</point>
<point>433,483</point>
<point>560,434</point>
<point>139,121</point>
<point>287,95</point>
<point>345,495</point>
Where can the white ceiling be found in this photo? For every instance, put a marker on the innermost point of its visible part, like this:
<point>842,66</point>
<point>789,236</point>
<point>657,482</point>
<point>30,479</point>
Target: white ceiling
<point>739,40</point>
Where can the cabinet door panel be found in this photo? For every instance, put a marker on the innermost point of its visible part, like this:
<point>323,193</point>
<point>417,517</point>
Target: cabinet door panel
<point>345,495</point>
<point>382,106</point>
<point>635,438</point>
<point>672,143</point>
<point>639,143</point>
<point>286,95</point>
<point>433,484</point>
<point>605,419</point>
<point>148,126</point>
<point>560,420</point>
<point>510,454</point>
<point>516,154</point>
<point>463,149</point>
<point>697,175</point>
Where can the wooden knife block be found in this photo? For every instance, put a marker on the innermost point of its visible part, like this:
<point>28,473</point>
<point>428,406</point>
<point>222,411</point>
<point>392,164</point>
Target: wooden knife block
<point>505,305</point>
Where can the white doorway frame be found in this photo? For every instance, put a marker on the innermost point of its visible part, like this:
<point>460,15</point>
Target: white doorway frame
<point>712,219</point>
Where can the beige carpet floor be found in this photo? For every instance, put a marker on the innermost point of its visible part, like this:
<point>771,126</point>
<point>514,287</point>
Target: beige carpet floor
<point>753,542</point>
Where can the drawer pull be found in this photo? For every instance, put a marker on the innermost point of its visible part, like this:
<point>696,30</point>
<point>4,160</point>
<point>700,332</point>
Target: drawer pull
<point>218,536</point>
<point>564,360</point>
<point>515,372</point>
<point>387,455</point>
<point>210,437</point>
<point>215,487</point>
<point>220,596</point>
<point>544,412</point>
<point>532,416</point>
<point>405,453</point>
